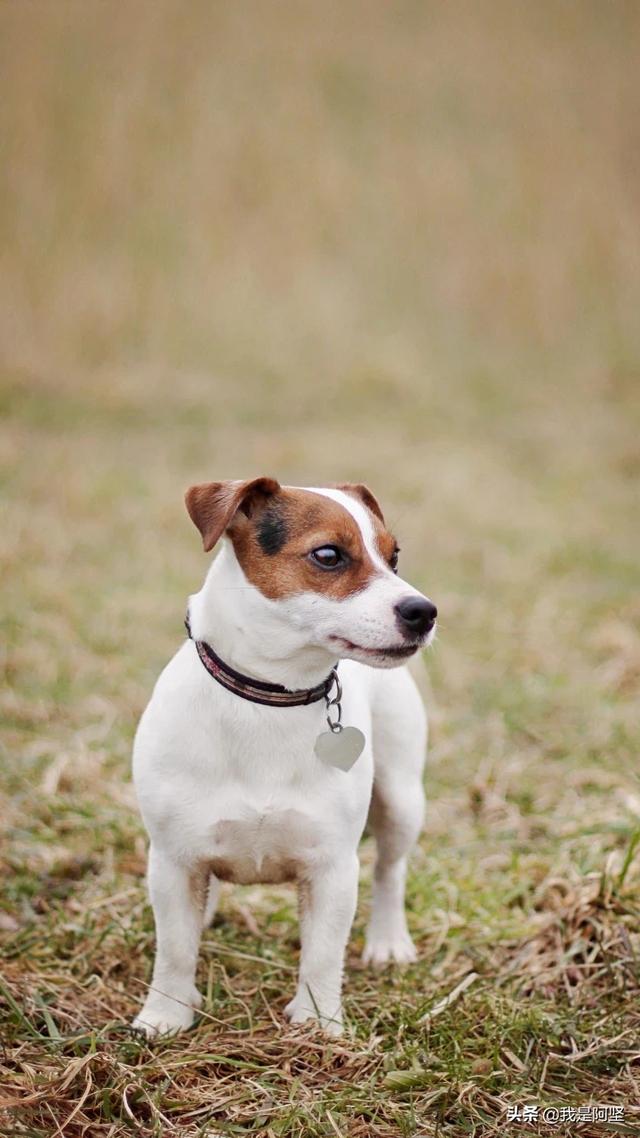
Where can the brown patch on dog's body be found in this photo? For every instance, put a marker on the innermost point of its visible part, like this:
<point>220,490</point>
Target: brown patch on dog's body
<point>271,872</point>
<point>273,545</point>
<point>265,848</point>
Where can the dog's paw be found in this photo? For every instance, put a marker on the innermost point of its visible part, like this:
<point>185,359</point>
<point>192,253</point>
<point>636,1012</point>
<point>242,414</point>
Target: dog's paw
<point>386,948</point>
<point>162,1015</point>
<point>297,1011</point>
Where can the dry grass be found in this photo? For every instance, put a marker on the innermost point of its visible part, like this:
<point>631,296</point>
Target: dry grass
<point>394,243</point>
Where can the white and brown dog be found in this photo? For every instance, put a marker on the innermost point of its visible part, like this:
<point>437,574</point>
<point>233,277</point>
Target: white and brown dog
<point>230,777</point>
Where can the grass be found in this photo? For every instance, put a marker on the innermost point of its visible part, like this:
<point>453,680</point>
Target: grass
<point>393,244</point>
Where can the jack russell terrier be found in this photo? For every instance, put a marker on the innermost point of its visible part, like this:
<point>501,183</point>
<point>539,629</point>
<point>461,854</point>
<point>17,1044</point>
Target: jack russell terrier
<point>260,758</point>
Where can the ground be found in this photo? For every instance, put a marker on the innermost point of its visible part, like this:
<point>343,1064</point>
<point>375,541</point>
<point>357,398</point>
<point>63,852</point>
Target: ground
<point>398,245</point>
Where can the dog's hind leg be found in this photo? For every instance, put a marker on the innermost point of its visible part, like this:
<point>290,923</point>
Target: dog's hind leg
<point>396,813</point>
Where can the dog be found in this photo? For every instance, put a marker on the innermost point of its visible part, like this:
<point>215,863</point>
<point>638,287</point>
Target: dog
<point>248,766</point>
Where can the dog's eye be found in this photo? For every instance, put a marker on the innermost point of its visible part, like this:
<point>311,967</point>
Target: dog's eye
<point>393,560</point>
<point>327,557</point>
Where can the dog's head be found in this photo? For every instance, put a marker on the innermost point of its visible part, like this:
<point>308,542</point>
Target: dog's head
<point>325,558</point>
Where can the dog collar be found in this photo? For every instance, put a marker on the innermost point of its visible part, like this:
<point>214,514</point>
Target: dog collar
<point>257,691</point>
<point>340,746</point>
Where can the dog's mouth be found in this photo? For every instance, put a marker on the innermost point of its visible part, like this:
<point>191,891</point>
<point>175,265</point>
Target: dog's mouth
<point>396,652</point>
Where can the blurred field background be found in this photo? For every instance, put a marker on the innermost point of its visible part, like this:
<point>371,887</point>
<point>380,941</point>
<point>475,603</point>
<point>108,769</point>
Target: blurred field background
<point>395,243</point>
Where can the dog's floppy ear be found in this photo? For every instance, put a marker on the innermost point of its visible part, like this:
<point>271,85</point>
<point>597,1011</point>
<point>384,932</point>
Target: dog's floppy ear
<point>364,494</point>
<point>213,505</point>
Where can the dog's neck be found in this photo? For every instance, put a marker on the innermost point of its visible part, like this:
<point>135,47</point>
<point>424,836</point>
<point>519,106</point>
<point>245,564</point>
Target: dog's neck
<point>252,633</point>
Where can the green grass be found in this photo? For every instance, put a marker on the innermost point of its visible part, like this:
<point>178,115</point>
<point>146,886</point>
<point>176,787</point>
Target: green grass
<point>401,246</point>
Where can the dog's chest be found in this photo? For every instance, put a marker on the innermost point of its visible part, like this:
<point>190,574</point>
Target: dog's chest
<point>235,787</point>
<point>267,846</point>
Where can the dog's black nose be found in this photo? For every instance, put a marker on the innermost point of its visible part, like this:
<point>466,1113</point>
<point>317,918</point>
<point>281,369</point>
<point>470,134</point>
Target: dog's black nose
<point>416,616</point>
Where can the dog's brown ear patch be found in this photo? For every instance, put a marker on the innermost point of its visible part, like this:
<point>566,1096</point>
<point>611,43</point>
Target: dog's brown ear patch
<point>212,506</point>
<point>359,490</point>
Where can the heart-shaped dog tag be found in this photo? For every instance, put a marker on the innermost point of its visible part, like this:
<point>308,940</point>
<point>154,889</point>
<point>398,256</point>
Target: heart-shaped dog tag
<point>340,748</point>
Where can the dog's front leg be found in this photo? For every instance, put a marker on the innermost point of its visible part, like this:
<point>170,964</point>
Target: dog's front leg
<point>177,896</point>
<point>327,907</point>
